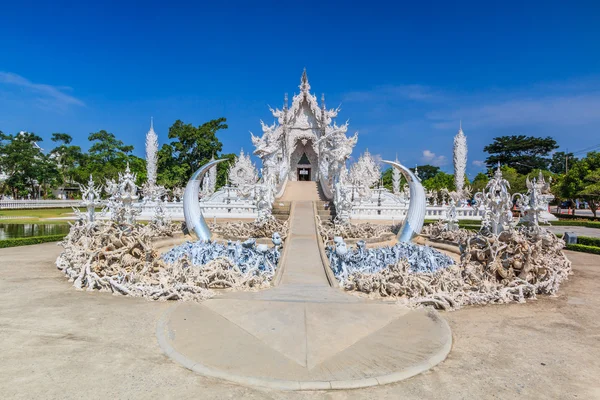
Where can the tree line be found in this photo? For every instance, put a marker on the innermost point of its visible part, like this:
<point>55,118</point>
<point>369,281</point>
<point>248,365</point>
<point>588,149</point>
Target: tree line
<point>31,172</point>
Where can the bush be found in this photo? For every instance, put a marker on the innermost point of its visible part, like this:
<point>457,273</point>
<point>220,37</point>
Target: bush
<point>576,217</point>
<point>583,248</point>
<point>588,241</point>
<point>587,224</point>
<point>30,240</point>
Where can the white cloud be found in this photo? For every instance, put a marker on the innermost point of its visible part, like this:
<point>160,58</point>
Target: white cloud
<point>429,157</point>
<point>478,163</point>
<point>46,96</point>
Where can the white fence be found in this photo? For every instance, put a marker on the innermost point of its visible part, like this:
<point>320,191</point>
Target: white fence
<point>30,204</point>
<point>398,213</point>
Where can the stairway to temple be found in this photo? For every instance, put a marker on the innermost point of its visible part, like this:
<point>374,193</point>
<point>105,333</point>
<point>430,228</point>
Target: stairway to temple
<point>302,191</point>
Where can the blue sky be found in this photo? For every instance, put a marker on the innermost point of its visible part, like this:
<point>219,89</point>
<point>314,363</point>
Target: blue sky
<point>404,74</point>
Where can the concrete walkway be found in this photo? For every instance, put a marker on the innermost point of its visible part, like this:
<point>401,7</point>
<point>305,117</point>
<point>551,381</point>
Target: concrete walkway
<point>303,334</point>
<point>60,343</point>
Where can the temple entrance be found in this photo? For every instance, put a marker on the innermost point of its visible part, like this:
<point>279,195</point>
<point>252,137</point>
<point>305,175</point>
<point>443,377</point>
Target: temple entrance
<point>304,162</point>
<point>304,174</point>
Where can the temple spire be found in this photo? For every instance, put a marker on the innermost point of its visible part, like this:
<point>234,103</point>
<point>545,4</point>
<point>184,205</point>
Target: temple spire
<point>304,85</point>
<point>151,123</point>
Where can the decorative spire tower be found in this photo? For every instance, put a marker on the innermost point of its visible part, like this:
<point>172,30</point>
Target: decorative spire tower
<point>460,160</point>
<point>151,155</point>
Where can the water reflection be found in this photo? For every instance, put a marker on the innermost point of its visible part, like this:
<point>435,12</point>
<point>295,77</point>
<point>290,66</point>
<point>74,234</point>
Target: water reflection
<point>8,231</point>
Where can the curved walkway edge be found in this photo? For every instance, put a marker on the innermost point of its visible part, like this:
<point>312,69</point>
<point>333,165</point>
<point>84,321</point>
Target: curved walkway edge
<point>417,368</point>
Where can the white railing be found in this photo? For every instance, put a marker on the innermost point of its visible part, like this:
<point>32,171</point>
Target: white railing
<point>30,204</point>
<point>366,211</point>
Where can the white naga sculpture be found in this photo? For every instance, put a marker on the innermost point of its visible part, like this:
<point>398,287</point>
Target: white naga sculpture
<point>243,172</point>
<point>90,199</point>
<point>460,161</point>
<point>497,203</point>
<point>304,143</point>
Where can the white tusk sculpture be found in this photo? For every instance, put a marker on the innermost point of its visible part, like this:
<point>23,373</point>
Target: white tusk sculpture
<point>415,217</point>
<point>194,219</point>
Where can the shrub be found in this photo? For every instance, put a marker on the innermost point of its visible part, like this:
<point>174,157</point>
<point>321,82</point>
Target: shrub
<point>583,248</point>
<point>30,240</point>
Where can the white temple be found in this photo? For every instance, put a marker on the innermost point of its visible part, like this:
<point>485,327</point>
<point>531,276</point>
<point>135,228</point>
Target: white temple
<point>305,143</point>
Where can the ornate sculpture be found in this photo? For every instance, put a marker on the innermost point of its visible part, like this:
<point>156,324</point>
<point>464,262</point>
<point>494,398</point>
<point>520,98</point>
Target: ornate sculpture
<point>122,198</point>
<point>194,219</point>
<point>242,172</point>
<point>415,217</point>
<point>209,183</point>
<point>364,174</point>
<point>533,204</point>
<point>460,161</point>
<point>90,198</point>
<point>343,202</point>
<point>497,203</point>
<point>265,200</point>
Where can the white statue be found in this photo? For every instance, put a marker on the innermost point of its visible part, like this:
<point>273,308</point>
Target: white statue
<point>123,195</point>
<point>534,204</point>
<point>90,198</point>
<point>364,174</point>
<point>243,171</point>
<point>497,204</point>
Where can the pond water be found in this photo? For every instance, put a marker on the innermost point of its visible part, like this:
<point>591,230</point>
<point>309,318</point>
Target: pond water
<point>9,231</point>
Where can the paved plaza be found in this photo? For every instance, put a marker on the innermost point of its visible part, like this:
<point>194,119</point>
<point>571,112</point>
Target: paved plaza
<point>60,343</point>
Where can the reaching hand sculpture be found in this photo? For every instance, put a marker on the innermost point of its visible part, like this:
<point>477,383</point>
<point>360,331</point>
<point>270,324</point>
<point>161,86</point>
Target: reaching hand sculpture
<point>415,217</point>
<point>194,219</point>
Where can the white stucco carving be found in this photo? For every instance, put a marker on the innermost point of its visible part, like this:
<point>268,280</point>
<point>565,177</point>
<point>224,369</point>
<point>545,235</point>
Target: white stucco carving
<point>243,171</point>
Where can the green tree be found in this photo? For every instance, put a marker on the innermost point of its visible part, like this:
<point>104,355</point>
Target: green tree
<point>191,148</point>
<point>560,161</point>
<point>68,159</point>
<point>439,181</point>
<point>523,153</point>
<point>24,163</point>
<point>479,182</point>
<point>108,156</point>
<point>582,181</point>
<point>426,171</point>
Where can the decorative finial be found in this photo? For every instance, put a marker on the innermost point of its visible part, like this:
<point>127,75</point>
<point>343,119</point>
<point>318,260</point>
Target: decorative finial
<point>151,123</point>
<point>460,125</point>
<point>304,85</point>
<point>285,101</point>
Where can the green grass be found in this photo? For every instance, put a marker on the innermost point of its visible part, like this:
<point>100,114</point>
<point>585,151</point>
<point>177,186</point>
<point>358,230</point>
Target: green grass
<point>39,215</point>
<point>30,240</point>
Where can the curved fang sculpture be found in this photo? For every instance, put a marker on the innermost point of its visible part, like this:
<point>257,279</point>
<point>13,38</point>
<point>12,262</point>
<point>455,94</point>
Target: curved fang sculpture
<point>194,219</point>
<point>413,223</point>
